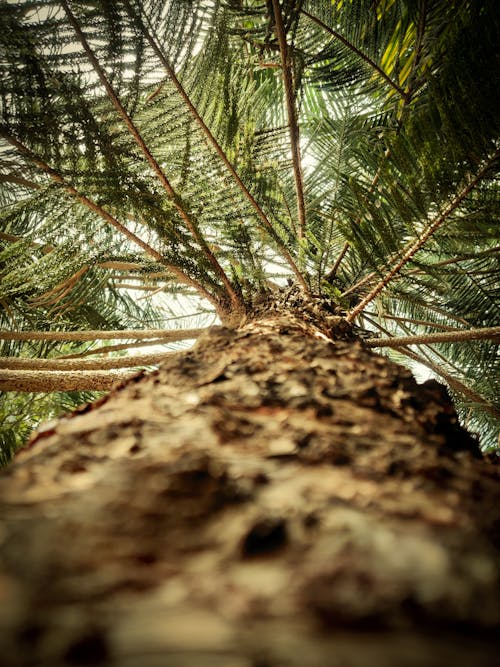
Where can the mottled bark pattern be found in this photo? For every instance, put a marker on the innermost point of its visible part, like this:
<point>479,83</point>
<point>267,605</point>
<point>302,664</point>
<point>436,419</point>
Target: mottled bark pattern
<point>271,497</point>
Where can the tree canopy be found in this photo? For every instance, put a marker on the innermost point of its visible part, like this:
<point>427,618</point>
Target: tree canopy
<point>205,153</point>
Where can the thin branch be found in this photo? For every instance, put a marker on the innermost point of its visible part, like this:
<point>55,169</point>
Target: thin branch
<point>59,291</point>
<point>293,126</point>
<point>425,323</point>
<point>138,288</point>
<point>357,51</point>
<point>417,49</point>
<point>455,384</point>
<point>419,242</point>
<point>456,260</point>
<point>213,141</point>
<point>191,226</point>
<point>359,284</point>
<point>50,381</point>
<point>57,178</point>
<point>131,361</point>
<point>422,348</point>
<point>333,271</point>
<point>120,266</point>
<point>387,153</point>
<point>488,333</point>
<point>115,348</point>
<point>18,180</point>
<point>121,334</point>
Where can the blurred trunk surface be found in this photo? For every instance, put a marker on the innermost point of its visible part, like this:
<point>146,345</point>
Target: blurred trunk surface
<point>278,495</point>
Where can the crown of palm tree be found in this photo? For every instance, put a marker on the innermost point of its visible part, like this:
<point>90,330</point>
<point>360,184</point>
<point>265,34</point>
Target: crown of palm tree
<point>212,150</point>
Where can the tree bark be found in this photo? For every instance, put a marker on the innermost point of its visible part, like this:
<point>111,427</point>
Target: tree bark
<point>277,495</point>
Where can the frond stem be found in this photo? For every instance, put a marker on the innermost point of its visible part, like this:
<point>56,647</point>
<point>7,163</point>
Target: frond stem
<point>19,180</point>
<point>191,226</point>
<point>419,242</point>
<point>107,217</point>
<point>333,271</point>
<point>455,336</point>
<point>293,126</point>
<point>452,382</point>
<point>120,334</point>
<point>455,384</point>
<point>101,363</point>
<point>357,51</point>
<point>406,100</point>
<point>212,140</point>
<point>411,320</point>
<point>115,348</point>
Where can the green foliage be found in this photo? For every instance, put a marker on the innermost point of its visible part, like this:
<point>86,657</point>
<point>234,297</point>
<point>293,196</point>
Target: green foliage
<point>21,413</point>
<point>397,108</point>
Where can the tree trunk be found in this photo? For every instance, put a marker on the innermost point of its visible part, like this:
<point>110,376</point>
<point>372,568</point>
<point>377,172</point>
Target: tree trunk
<point>270,497</point>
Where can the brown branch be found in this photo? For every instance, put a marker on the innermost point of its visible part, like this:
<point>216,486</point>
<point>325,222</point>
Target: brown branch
<point>213,141</point>
<point>455,336</point>
<point>333,271</point>
<point>358,52</point>
<point>417,51</point>
<point>419,242</point>
<point>455,384</point>
<point>131,361</point>
<point>425,323</point>
<point>104,349</point>
<point>50,381</point>
<point>123,334</point>
<point>59,291</point>
<point>452,382</point>
<point>18,180</point>
<point>293,126</point>
<point>57,178</point>
<point>387,153</point>
<point>190,224</point>
<point>456,260</point>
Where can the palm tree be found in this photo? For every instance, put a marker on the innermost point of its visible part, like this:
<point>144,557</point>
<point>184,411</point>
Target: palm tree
<point>318,177</point>
<point>219,150</point>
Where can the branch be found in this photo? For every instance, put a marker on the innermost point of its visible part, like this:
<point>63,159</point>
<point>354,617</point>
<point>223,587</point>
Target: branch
<point>406,100</point>
<point>18,180</point>
<point>456,260</point>
<point>213,141</point>
<point>131,361</point>
<point>95,208</point>
<point>191,226</point>
<point>114,348</point>
<point>333,271</point>
<point>357,51</point>
<point>49,381</point>
<point>455,384</point>
<point>123,334</point>
<point>293,125</point>
<point>417,50</point>
<point>425,323</point>
<point>419,242</point>
<point>455,336</point>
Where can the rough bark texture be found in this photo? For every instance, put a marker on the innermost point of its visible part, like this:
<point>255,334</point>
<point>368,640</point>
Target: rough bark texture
<point>269,498</point>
